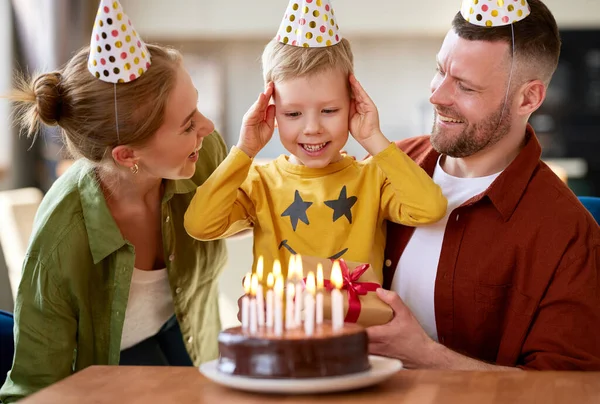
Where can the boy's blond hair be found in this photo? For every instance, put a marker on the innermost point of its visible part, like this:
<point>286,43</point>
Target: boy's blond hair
<point>281,62</point>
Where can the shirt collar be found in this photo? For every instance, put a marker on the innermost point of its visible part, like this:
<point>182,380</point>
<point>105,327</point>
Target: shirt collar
<point>173,187</point>
<point>506,191</point>
<point>104,235</point>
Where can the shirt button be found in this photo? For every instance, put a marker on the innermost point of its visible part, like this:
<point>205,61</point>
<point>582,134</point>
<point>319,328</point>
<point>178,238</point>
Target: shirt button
<point>190,339</point>
<point>388,263</point>
<point>178,290</point>
<point>457,215</point>
<point>167,219</point>
<point>171,257</point>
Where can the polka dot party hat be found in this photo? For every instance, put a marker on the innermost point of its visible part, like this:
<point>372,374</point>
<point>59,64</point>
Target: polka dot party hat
<point>494,13</point>
<point>117,54</point>
<point>309,23</point>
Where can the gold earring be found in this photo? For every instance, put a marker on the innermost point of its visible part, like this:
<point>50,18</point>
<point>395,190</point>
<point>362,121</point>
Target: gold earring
<point>135,169</point>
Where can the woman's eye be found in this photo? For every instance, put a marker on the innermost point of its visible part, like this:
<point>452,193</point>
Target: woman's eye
<point>191,127</point>
<point>330,111</point>
<point>292,114</point>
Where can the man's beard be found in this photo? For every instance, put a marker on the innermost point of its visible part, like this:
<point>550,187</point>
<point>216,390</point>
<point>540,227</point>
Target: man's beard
<point>473,138</point>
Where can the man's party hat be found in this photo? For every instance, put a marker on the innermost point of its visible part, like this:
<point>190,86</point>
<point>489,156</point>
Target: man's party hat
<point>310,24</point>
<point>117,54</point>
<point>494,13</point>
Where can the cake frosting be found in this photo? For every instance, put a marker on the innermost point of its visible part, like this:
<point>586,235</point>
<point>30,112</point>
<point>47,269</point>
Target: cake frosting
<point>294,354</point>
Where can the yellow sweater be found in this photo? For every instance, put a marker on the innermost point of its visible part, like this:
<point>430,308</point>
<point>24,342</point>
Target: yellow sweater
<point>337,211</point>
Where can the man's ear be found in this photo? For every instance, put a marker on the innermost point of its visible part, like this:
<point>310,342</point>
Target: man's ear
<point>531,97</point>
<point>124,156</point>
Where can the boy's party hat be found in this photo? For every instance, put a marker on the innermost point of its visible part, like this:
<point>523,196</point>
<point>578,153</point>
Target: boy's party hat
<point>309,23</point>
<point>117,54</point>
<point>494,13</point>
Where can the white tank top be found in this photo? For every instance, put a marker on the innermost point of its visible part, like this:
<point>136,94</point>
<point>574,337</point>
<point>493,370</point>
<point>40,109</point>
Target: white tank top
<point>149,307</point>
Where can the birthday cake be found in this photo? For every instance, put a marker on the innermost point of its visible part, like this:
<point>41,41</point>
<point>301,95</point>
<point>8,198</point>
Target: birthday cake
<point>294,354</point>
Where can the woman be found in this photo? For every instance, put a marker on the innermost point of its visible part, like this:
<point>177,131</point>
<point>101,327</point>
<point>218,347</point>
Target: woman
<point>110,276</point>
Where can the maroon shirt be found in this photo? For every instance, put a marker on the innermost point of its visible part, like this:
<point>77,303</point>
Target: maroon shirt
<point>518,280</point>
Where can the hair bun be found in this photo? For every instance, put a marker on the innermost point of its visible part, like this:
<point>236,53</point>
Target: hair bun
<point>46,89</point>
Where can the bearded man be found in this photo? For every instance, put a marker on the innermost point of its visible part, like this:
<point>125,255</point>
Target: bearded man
<point>510,278</point>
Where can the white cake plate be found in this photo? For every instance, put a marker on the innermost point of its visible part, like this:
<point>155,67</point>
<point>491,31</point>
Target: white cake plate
<point>381,369</point>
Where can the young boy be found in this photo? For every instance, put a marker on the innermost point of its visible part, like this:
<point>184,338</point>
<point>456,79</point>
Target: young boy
<point>315,201</point>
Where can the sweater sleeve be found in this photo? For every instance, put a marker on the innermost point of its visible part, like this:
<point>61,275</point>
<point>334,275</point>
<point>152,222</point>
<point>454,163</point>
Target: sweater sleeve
<point>220,207</point>
<point>408,195</point>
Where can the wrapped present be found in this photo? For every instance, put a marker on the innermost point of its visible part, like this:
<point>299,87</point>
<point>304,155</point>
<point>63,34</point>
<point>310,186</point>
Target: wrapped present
<point>361,303</point>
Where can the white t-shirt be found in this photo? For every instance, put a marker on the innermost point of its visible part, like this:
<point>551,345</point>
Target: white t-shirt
<point>149,307</point>
<point>414,279</point>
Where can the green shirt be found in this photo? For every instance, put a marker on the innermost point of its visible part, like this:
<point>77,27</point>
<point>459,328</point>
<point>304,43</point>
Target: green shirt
<point>71,301</point>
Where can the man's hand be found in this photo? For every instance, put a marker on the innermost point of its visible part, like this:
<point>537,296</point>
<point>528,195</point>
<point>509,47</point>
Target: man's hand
<point>258,124</point>
<point>403,337</point>
<point>364,120</point>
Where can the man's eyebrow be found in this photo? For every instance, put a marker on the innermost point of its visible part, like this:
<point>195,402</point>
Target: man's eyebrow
<point>462,79</point>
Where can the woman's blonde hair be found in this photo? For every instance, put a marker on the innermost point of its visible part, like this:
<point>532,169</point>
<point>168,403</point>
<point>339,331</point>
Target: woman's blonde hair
<point>84,107</point>
<point>281,62</point>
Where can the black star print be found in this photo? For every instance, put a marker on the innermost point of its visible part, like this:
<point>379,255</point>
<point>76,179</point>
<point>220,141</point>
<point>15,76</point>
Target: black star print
<point>342,206</point>
<point>297,210</point>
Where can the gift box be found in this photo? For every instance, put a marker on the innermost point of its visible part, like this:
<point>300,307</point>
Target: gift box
<point>361,303</point>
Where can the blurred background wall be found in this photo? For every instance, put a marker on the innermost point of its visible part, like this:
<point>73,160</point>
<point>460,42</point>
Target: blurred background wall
<point>394,42</point>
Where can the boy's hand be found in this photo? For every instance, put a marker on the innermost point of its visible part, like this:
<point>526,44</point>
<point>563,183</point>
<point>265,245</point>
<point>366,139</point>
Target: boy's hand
<point>364,120</point>
<point>258,124</point>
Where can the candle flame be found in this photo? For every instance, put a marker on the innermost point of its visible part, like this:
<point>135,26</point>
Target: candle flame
<point>291,289</point>
<point>276,268</point>
<point>310,283</point>
<point>253,285</point>
<point>270,280</point>
<point>279,285</point>
<point>336,275</point>
<point>320,281</point>
<point>247,279</point>
<point>298,267</point>
<point>291,267</point>
<point>260,268</point>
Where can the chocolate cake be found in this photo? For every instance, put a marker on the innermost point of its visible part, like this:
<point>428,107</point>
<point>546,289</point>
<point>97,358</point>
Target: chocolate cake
<point>294,355</point>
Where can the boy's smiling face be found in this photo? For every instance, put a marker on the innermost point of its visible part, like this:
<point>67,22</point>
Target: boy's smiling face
<point>312,117</point>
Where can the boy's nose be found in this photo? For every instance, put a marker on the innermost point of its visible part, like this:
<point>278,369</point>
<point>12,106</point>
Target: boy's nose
<point>313,127</point>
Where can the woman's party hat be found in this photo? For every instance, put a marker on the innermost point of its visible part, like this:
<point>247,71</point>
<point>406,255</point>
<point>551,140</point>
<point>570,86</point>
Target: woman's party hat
<point>310,24</point>
<point>494,13</point>
<point>117,54</point>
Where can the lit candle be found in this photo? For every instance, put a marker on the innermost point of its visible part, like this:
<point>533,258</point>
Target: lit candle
<point>253,311</point>
<point>279,305</point>
<point>309,305</point>
<point>260,298</point>
<point>276,269</point>
<point>337,303</point>
<point>289,306</point>
<point>299,288</point>
<point>289,294</point>
<point>246,302</point>
<point>270,282</point>
<point>320,283</point>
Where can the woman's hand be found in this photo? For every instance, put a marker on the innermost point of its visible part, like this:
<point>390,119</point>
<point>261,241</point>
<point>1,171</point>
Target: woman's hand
<point>364,120</point>
<point>258,124</point>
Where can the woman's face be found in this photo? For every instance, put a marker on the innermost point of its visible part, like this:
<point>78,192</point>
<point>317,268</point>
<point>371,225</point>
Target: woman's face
<point>172,152</point>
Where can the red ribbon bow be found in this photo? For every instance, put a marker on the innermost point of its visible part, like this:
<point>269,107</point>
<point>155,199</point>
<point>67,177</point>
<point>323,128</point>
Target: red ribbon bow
<point>354,288</point>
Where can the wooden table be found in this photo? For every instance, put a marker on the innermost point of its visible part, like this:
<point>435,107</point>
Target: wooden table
<point>113,384</point>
